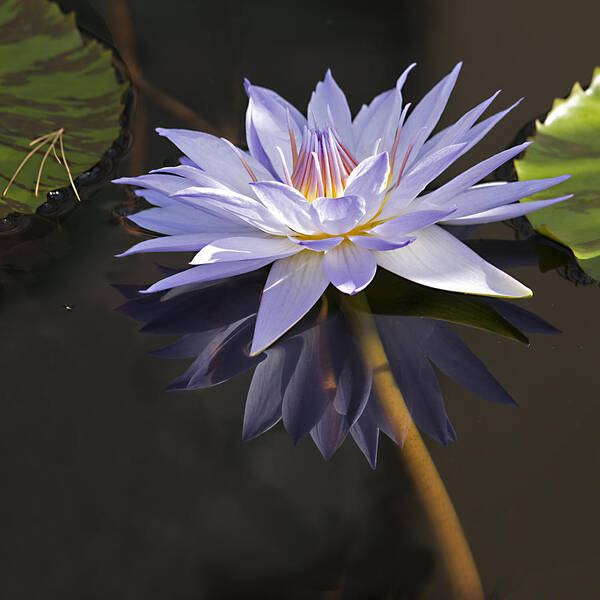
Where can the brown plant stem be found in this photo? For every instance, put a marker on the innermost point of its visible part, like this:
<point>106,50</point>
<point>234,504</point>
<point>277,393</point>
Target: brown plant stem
<point>121,24</point>
<point>453,546</point>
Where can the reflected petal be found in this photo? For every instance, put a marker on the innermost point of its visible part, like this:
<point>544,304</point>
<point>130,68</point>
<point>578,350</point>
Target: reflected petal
<point>265,396</point>
<point>305,400</point>
<point>330,432</point>
<point>452,356</point>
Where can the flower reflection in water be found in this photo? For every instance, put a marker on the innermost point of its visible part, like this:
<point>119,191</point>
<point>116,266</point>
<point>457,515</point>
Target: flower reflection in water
<point>313,379</point>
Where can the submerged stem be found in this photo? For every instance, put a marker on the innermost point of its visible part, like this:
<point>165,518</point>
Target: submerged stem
<point>453,546</point>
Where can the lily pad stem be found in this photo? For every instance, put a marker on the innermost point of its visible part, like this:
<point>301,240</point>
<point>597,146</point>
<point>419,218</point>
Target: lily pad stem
<point>445,525</point>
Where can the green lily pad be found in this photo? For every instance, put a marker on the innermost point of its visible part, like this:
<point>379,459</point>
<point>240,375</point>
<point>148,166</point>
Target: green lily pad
<point>51,79</point>
<point>392,295</point>
<point>569,142</point>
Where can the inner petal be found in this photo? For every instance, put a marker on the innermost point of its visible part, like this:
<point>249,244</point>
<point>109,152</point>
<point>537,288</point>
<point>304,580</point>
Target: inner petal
<point>322,165</point>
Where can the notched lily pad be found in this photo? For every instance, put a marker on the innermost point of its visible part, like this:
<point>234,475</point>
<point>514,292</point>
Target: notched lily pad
<point>569,142</point>
<point>51,79</point>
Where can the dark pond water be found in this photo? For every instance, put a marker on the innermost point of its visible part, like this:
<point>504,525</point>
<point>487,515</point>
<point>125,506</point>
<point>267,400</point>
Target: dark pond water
<point>114,488</point>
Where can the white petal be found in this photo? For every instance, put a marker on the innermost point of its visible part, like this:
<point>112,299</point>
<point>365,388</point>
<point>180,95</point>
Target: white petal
<point>369,181</point>
<point>215,156</point>
<point>425,115</point>
<point>287,204</point>
<point>437,259</point>
<point>318,245</point>
<point>501,213</point>
<point>156,198</point>
<point>244,248</point>
<point>371,242</point>
<point>349,267</point>
<point>328,107</point>
<point>193,175</point>
<point>268,121</point>
<point>191,242</point>
<point>207,273</point>
<point>293,286</point>
<point>379,120</point>
<point>412,221</point>
<point>338,215</point>
<point>180,219</point>
<point>167,184</point>
<point>479,130</point>
<point>243,207</point>
<point>445,194</point>
<point>421,175</point>
<point>456,132</point>
<point>484,197</point>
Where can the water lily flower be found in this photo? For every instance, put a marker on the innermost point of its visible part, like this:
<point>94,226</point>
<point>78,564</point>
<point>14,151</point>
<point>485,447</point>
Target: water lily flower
<point>327,199</point>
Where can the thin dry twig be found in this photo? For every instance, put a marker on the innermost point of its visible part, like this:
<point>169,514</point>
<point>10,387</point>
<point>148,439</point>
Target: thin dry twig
<point>39,176</point>
<point>55,136</point>
<point>62,153</point>
<point>22,164</point>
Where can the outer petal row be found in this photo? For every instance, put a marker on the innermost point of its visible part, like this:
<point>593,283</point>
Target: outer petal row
<point>437,259</point>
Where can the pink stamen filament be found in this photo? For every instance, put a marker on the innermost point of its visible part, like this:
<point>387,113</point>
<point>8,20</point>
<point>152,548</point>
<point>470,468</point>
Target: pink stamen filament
<point>252,175</point>
<point>322,166</point>
<point>403,165</point>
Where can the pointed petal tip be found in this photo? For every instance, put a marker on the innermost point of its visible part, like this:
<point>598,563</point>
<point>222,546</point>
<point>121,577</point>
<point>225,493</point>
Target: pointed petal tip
<point>515,104</point>
<point>184,192</point>
<point>177,384</point>
<point>522,293</point>
<point>296,439</point>
<point>247,436</point>
<point>402,77</point>
<point>247,85</point>
<point>254,353</point>
<point>122,180</point>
